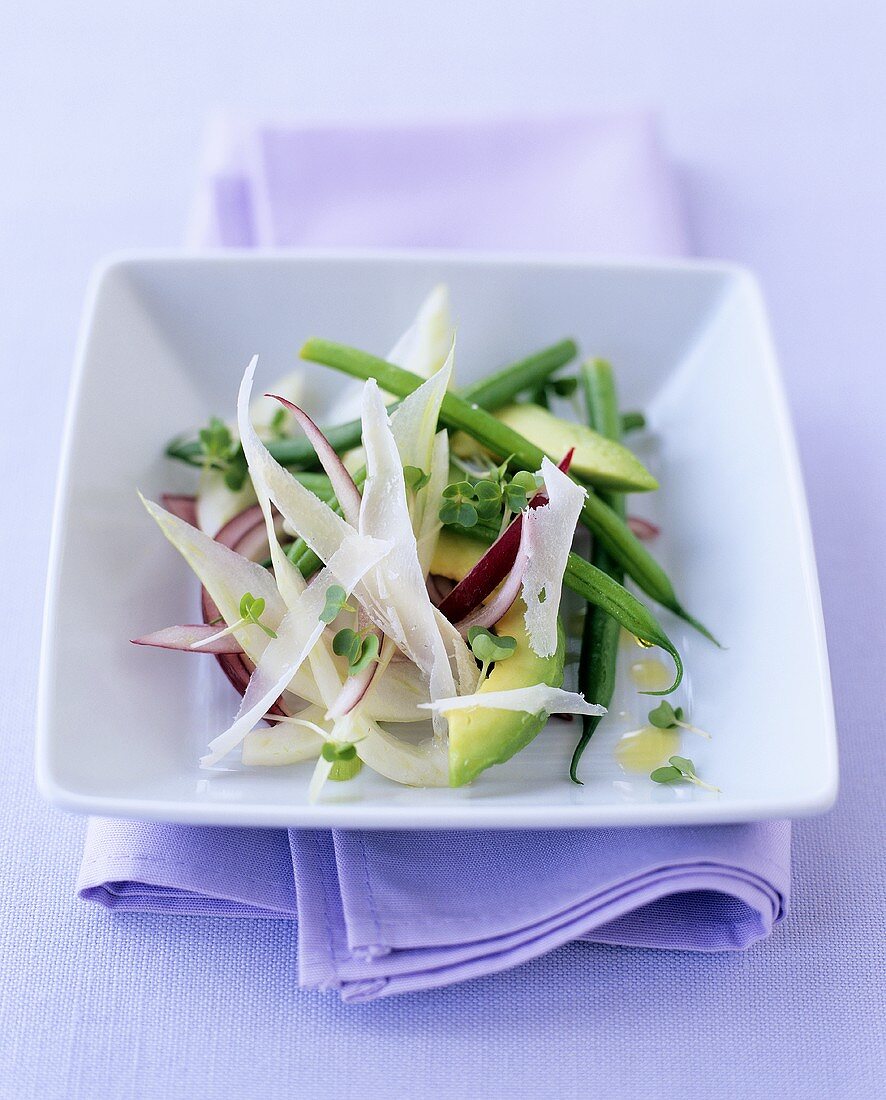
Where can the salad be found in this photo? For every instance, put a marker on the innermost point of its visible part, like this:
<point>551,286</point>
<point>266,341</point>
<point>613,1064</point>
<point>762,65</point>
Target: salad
<point>387,592</point>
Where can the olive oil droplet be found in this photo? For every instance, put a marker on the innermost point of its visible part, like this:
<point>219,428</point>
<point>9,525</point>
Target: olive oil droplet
<point>644,749</point>
<point>651,675</point>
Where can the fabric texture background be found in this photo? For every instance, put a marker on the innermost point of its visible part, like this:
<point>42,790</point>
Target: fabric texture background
<point>381,913</point>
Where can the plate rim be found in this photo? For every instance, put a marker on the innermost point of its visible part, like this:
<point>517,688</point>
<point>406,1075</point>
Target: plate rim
<point>469,814</point>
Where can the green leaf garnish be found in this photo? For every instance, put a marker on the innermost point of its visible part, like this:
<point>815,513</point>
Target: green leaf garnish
<point>679,769</point>
<point>368,653</point>
<point>359,649</point>
<point>488,647</point>
<point>518,490</point>
<point>336,602</point>
<point>343,770</point>
<point>220,451</point>
<point>487,496</point>
<point>338,750</point>
<point>666,717</point>
<point>459,490</point>
<point>251,611</point>
<point>666,775</point>
<point>458,507</point>
<point>462,514</point>
<point>236,471</point>
<point>215,440</point>
<point>685,765</point>
<point>415,478</point>
<point>346,643</point>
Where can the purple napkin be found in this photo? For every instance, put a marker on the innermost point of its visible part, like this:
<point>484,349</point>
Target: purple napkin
<point>387,912</point>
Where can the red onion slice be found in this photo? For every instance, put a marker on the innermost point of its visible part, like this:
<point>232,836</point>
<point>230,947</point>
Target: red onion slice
<point>181,505</point>
<point>236,666</point>
<point>347,493</point>
<point>643,529</point>
<point>495,564</point>
<point>235,529</point>
<point>185,638</point>
<point>488,614</point>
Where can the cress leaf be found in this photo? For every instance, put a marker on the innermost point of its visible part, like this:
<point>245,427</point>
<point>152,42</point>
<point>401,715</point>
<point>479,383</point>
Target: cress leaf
<point>415,478</point>
<point>666,775</point>
<point>518,490</point>
<point>336,598</point>
<point>663,716</point>
<point>236,471</point>
<point>333,751</point>
<point>368,652</point>
<point>461,513</point>
<point>257,609</point>
<point>488,647</point>
<point>685,765</point>
<point>459,490</point>
<point>347,643</point>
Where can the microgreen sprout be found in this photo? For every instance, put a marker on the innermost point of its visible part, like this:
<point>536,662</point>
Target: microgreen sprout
<point>458,505</point>
<point>518,490</point>
<point>342,755</point>
<point>338,750</point>
<point>336,602</point>
<point>487,501</point>
<point>251,610</point>
<point>415,478</point>
<point>467,503</point>
<point>220,451</point>
<point>488,647</point>
<point>360,649</point>
<point>215,441</point>
<point>666,717</point>
<point>680,769</point>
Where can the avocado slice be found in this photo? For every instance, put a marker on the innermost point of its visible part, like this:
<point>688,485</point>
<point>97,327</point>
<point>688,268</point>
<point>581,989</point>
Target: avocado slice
<point>597,460</point>
<point>480,737</point>
<point>456,555</point>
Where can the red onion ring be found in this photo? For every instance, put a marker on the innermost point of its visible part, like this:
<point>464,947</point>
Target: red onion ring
<point>181,505</point>
<point>243,530</point>
<point>495,564</point>
<point>643,529</point>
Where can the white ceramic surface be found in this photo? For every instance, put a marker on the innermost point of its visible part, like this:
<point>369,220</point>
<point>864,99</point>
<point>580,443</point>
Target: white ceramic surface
<point>164,343</point>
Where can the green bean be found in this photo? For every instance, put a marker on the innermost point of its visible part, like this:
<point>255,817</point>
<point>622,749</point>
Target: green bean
<point>496,390</point>
<point>490,393</point>
<point>299,552</point>
<point>611,531</point>
<point>318,483</point>
<point>600,589</point>
<point>600,636</point>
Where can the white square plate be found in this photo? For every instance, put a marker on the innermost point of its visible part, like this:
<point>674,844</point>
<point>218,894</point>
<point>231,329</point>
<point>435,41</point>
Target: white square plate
<point>165,341</point>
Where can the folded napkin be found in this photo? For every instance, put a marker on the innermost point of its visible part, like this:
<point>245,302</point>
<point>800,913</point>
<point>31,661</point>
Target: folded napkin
<point>388,912</point>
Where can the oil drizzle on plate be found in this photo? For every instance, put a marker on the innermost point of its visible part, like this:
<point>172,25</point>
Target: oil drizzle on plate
<point>644,749</point>
<point>651,675</point>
